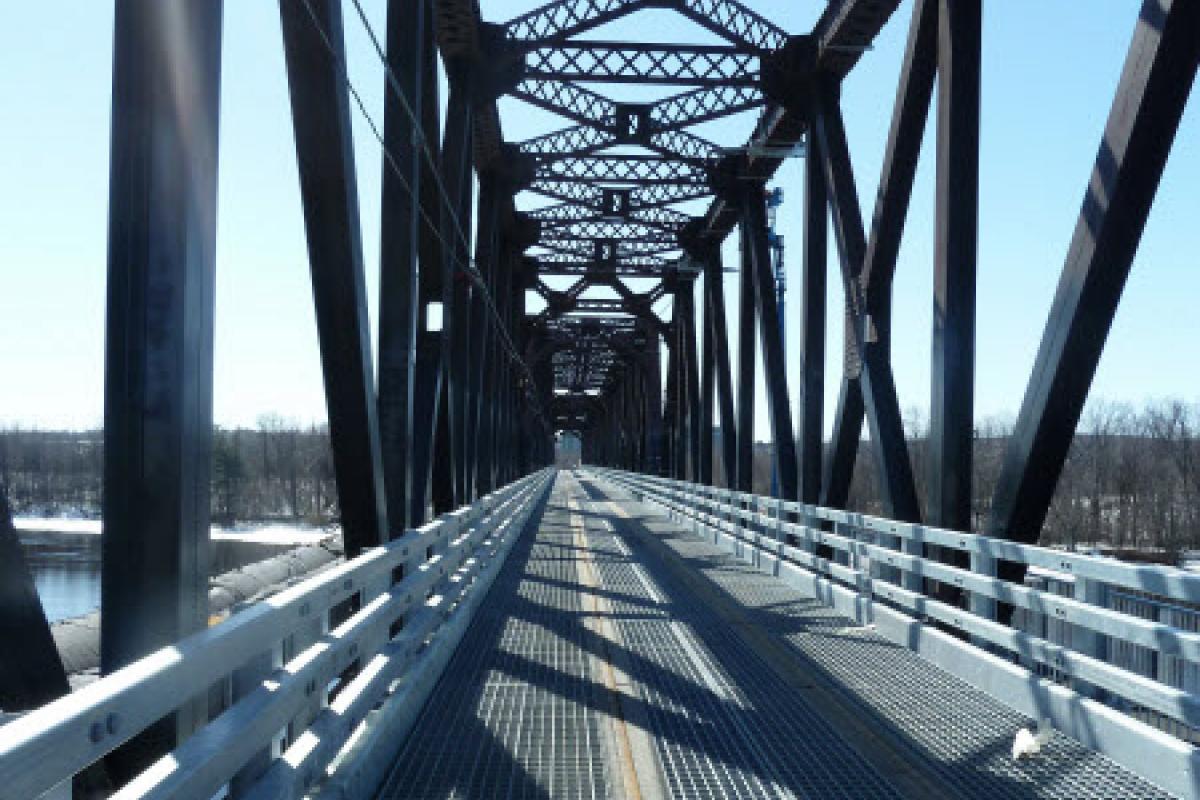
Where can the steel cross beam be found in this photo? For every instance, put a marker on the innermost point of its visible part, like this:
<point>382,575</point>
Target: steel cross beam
<point>621,169</point>
<point>596,227</point>
<point>655,195</point>
<point>628,62</point>
<point>559,20</point>
<point>547,265</point>
<point>585,139</point>
<point>587,107</point>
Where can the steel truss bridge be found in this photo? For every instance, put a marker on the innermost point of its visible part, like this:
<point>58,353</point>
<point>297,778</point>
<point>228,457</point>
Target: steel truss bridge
<point>630,629</point>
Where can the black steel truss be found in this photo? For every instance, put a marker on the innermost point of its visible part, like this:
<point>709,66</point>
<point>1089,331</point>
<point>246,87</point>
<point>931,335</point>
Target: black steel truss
<point>455,411</point>
<point>616,214</point>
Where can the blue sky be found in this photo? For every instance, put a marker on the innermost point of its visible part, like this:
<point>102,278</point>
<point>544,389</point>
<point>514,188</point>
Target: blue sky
<point>1047,88</point>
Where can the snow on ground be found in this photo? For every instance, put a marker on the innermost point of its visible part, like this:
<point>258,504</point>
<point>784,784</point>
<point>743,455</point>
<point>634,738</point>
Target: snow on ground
<point>258,533</point>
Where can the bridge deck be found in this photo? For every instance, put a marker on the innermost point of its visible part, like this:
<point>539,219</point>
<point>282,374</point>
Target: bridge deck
<point>619,656</point>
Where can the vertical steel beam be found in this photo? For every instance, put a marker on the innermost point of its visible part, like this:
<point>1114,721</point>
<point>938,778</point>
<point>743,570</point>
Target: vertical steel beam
<point>456,232</point>
<point>428,370</point>
<point>686,296</point>
<point>159,339</point>
<point>754,222</point>
<point>652,377</point>
<point>744,480</point>
<point>315,55</point>
<point>399,254</point>
<point>491,392</point>
<point>847,430</point>
<point>708,376</point>
<point>811,401</point>
<point>952,404</point>
<point>479,345</point>
<point>449,456</point>
<point>1150,99</point>
<point>673,449</point>
<point>714,318</point>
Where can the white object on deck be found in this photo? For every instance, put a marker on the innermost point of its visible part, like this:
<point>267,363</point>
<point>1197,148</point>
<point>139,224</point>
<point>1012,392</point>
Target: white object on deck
<point>1028,743</point>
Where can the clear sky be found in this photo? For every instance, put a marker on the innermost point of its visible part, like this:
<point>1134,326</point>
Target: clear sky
<point>1049,71</point>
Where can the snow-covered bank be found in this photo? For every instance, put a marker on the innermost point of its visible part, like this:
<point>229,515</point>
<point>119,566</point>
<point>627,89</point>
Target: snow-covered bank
<point>255,533</point>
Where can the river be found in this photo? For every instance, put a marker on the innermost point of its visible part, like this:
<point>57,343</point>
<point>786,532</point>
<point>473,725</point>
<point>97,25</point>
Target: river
<point>67,588</point>
<point>64,557</point>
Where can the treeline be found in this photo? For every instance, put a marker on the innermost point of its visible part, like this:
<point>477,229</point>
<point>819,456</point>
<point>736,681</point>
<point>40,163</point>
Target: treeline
<point>1131,481</point>
<point>276,471</point>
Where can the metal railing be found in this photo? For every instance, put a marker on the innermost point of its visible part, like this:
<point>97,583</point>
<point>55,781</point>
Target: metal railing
<point>311,661</point>
<point>1090,665</point>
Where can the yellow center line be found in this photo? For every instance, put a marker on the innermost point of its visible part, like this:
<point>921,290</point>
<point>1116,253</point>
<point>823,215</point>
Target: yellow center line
<point>597,620</point>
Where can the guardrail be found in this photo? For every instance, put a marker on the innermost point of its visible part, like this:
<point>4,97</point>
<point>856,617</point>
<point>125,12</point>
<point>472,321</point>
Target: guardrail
<point>876,571</point>
<point>307,664</point>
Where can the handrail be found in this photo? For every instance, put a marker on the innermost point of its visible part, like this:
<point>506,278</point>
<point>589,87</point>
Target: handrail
<point>49,745</point>
<point>861,561</point>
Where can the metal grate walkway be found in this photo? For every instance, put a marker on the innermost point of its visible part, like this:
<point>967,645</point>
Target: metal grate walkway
<point>619,656</point>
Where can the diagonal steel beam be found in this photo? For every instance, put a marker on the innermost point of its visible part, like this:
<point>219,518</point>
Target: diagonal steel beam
<point>878,387</point>
<point>315,54</point>
<point>562,19</point>
<point>703,105</point>
<point>913,95</point>
<point>846,29</point>
<point>577,140</point>
<point>734,22</point>
<point>1151,95</point>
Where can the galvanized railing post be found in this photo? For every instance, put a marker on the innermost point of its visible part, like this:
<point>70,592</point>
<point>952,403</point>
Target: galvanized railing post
<point>979,603</point>
<point>1083,639</point>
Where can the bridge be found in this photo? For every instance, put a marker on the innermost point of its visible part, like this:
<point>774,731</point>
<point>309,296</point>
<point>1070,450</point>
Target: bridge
<point>633,627</point>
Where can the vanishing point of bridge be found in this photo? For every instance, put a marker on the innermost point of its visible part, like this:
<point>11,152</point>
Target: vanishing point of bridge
<point>631,628</point>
